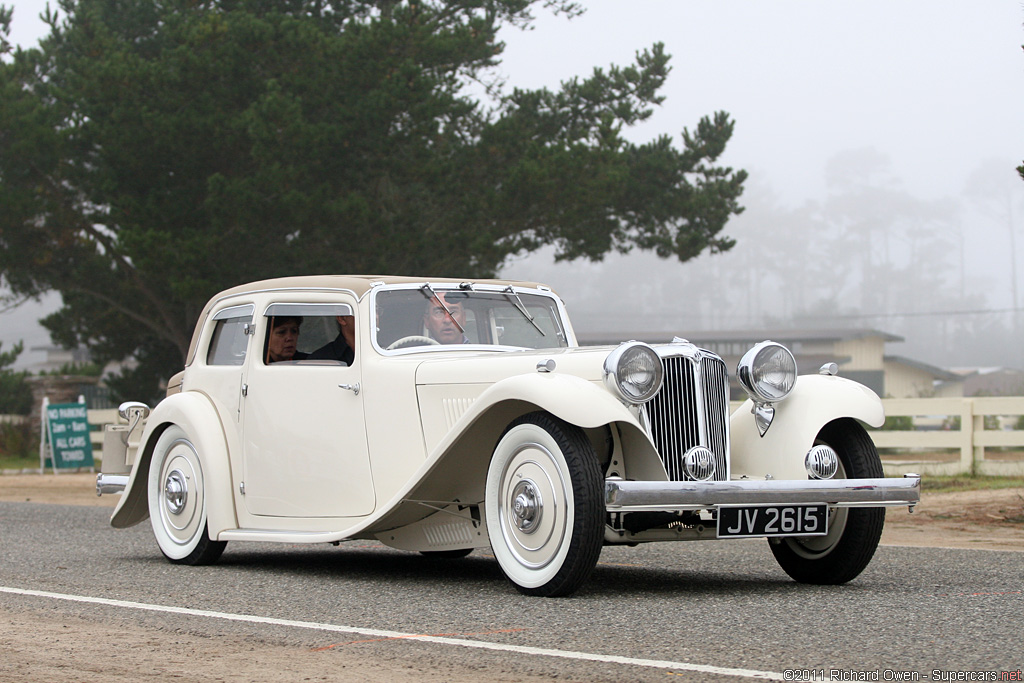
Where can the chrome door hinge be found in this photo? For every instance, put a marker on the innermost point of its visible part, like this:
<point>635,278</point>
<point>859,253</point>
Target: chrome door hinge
<point>241,487</point>
<point>245,390</point>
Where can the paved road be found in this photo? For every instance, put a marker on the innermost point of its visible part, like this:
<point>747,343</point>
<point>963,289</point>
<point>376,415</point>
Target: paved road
<point>696,611</point>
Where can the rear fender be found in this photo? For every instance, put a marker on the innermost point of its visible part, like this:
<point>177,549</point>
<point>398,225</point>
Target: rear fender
<point>815,401</point>
<point>194,413</point>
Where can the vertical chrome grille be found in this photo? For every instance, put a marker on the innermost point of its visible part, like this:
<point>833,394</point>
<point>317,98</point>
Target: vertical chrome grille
<point>692,409</point>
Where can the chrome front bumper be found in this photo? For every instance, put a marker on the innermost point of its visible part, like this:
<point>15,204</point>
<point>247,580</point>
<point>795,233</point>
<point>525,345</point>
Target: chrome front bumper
<point>636,496</point>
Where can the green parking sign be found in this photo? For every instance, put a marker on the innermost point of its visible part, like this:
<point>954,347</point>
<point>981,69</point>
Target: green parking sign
<point>67,429</point>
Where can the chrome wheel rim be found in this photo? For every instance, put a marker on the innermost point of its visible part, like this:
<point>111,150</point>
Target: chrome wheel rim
<point>176,492</point>
<point>532,512</point>
<point>527,506</point>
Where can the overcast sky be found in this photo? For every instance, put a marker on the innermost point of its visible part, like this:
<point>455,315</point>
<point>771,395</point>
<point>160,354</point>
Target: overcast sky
<point>936,85</point>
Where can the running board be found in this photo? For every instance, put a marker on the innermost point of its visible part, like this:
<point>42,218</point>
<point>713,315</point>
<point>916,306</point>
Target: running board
<point>272,536</point>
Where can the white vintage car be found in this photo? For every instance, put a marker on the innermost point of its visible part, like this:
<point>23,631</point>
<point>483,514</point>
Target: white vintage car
<point>440,416</point>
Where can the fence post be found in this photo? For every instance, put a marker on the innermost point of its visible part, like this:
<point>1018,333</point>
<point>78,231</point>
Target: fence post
<point>967,427</point>
<point>978,450</point>
<point>42,436</point>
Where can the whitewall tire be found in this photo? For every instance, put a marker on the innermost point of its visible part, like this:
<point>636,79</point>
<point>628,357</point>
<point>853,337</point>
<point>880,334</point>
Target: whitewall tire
<point>544,505</point>
<point>177,501</point>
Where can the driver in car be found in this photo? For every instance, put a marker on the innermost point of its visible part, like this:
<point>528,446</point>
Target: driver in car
<point>445,319</point>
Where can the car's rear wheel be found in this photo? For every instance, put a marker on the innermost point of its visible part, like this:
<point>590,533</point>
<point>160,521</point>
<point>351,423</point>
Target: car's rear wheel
<point>177,501</point>
<point>853,533</point>
<point>544,505</point>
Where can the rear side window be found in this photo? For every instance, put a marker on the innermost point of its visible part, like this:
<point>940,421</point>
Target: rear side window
<point>230,336</point>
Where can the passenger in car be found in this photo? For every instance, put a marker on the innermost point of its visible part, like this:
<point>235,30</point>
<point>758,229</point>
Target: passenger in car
<point>344,345</point>
<point>283,340</point>
<point>445,328</point>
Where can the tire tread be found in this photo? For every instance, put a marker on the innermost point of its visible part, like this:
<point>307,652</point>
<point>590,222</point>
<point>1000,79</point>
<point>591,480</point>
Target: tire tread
<point>588,491</point>
<point>856,547</point>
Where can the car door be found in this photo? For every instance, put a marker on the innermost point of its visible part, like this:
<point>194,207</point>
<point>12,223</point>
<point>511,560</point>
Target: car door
<point>303,438</point>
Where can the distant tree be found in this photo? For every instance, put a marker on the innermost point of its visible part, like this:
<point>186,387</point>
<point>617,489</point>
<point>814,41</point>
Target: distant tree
<point>152,154</point>
<point>15,394</point>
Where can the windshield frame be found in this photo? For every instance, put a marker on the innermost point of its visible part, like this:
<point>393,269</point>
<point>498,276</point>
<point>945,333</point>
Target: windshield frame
<point>564,329</point>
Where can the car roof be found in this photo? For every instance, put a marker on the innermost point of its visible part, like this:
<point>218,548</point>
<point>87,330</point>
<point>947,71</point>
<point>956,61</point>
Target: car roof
<point>359,285</point>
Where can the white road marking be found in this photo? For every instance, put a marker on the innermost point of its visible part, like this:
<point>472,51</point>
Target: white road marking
<point>376,633</point>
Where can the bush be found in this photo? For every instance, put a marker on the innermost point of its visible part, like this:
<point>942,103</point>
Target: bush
<point>898,423</point>
<point>72,368</point>
<point>15,394</point>
<point>18,440</point>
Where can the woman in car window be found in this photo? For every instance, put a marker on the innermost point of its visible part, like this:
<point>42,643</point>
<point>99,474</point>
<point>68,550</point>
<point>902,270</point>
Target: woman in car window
<point>283,342</point>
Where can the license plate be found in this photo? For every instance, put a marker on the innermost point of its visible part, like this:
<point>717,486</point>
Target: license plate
<point>772,520</point>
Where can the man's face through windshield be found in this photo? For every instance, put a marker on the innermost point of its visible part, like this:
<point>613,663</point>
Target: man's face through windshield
<point>441,325</point>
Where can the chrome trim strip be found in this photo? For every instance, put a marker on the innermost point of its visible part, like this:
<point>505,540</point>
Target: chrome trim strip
<point>111,483</point>
<point>240,311</point>
<point>307,309</point>
<point>633,496</point>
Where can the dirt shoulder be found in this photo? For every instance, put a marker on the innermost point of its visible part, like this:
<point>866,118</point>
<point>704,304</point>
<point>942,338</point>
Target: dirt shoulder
<point>992,520</point>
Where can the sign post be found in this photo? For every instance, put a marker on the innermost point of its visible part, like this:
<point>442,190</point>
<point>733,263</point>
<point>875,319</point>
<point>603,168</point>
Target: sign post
<point>66,436</point>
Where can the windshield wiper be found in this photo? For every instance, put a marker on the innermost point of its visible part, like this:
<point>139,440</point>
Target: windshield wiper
<point>514,298</point>
<point>429,292</point>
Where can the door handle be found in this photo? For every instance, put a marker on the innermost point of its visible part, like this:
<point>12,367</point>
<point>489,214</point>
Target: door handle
<point>354,388</point>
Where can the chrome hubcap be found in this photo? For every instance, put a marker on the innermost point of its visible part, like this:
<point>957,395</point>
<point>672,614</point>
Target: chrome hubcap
<point>176,492</point>
<point>527,506</point>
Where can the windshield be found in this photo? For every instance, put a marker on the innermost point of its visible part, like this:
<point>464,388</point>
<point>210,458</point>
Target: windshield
<point>429,316</point>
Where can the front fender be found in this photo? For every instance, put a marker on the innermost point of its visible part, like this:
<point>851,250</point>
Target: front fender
<point>456,467</point>
<point>580,403</point>
<point>194,413</point>
<point>815,401</point>
<point>567,397</point>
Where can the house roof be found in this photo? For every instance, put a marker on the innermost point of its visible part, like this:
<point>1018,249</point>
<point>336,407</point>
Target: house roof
<point>781,335</point>
<point>936,372</point>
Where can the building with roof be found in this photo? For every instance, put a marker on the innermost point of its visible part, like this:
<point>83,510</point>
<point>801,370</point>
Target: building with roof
<point>859,352</point>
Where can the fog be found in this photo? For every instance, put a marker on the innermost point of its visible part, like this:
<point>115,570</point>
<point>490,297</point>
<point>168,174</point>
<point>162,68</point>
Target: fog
<point>881,140</point>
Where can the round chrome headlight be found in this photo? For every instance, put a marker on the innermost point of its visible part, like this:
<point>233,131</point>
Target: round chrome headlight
<point>767,372</point>
<point>633,372</point>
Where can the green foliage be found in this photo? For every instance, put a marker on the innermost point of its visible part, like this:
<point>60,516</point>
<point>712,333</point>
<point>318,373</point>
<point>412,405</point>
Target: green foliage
<point>968,482</point>
<point>18,442</point>
<point>72,368</point>
<point>15,394</point>
<point>152,154</point>
<point>898,423</point>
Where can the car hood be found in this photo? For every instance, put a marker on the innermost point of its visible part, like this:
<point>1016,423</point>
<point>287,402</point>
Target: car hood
<point>489,367</point>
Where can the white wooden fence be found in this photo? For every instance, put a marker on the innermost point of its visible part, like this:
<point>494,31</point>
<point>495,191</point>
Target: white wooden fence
<point>940,444</point>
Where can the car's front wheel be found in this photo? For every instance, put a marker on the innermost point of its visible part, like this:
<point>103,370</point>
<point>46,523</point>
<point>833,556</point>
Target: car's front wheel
<point>177,501</point>
<point>853,533</point>
<point>544,505</point>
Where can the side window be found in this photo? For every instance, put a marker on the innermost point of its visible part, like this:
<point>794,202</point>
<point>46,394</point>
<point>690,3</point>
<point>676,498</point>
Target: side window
<point>309,334</point>
<point>227,347</point>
